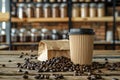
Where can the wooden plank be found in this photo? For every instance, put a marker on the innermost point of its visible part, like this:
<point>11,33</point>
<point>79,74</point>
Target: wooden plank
<point>96,52</point>
<point>13,19</point>
<point>52,78</point>
<point>95,19</point>
<point>40,20</point>
<point>4,17</point>
<point>47,19</point>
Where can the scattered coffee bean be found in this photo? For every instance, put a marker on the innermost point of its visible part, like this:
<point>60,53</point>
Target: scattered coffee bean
<point>3,65</point>
<point>20,70</point>
<point>21,56</point>
<point>26,72</point>
<point>25,76</point>
<point>18,64</point>
<point>37,76</point>
<point>9,60</point>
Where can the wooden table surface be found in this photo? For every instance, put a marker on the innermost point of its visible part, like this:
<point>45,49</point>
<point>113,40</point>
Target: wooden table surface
<point>10,72</point>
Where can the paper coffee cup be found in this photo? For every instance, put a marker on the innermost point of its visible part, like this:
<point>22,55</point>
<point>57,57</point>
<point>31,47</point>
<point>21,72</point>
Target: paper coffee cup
<point>81,46</point>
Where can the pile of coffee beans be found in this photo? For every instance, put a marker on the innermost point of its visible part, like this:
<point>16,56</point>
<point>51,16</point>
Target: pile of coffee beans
<point>63,64</point>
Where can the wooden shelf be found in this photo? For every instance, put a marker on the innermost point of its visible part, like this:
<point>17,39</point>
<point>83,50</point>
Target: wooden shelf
<point>36,43</point>
<point>3,43</point>
<point>87,19</point>
<point>40,20</point>
<point>4,17</point>
<point>25,43</point>
<point>95,19</point>
<point>17,20</point>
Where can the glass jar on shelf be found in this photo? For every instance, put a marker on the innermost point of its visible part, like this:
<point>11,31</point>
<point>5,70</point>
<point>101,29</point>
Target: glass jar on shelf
<point>87,0</point>
<point>55,10</point>
<point>29,1</point>
<point>76,10</point>
<point>54,34</point>
<point>37,0</point>
<point>63,10</point>
<point>13,10</point>
<point>39,10</point>
<point>47,10</point>
<point>2,35</point>
<point>23,35</point>
<point>14,35</point>
<point>65,34</point>
<point>21,11</point>
<point>93,10</point>
<point>45,34</point>
<point>101,10</point>
<point>21,0</point>
<point>74,0</point>
<point>30,10</point>
<point>14,1</point>
<point>34,35</point>
<point>64,0</point>
<point>59,0</point>
<point>52,0</point>
<point>81,0</point>
<point>45,0</point>
<point>84,10</point>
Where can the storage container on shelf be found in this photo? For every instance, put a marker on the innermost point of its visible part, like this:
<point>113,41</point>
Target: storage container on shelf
<point>47,10</point>
<point>23,35</point>
<point>14,35</point>
<point>76,10</point>
<point>21,11</point>
<point>54,34</point>
<point>34,35</point>
<point>39,10</point>
<point>52,0</point>
<point>45,34</point>
<point>59,0</point>
<point>93,10</point>
<point>55,10</point>
<point>84,10</point>
<point>37,0</point>
<point>30,10</point>
<point>65,34</point>
<point>101,10</point>
<point>87,0</point>
<point>74,0</point>
<point>2,35</point>
<point>63,10</point>
<point>81,0</point>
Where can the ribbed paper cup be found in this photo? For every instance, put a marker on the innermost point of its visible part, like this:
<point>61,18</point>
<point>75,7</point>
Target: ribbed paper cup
<point>81,46</point>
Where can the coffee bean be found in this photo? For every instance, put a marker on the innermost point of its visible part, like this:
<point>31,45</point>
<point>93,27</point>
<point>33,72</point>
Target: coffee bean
<point>20,70</point>
<point>37,76</point>
<point>3,65</point>
<point>21,56</point>
<point>9,60</point>
<point>18,64</point>
<point>25,76</point>
<point>26,72</point>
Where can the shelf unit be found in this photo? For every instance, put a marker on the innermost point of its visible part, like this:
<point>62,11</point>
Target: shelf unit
<point>70,20</point>
<point>88,19</point>
<point>4,17</point>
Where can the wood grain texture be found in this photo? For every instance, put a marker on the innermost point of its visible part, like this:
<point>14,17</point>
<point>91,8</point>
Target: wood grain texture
<point>10,72</point>
<point>4,17</point>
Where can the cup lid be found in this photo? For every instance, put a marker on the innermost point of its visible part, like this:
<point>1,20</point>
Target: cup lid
<point>81,31</point>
